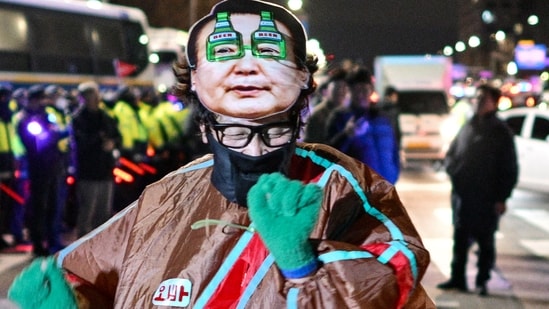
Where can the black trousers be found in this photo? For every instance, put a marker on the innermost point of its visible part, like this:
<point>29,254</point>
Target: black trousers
<point>45,216</point>
<point>464,238</point>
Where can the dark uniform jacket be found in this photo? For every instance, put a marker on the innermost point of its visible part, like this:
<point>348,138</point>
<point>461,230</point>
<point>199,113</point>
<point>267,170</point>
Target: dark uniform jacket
<point>482,165</point>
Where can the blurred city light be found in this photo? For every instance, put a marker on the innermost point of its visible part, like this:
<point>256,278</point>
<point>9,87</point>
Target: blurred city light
<point>295,5</point>
<point>500,36</point>
<point>533,20</point>
<point>512,68</point>
<point>34,128</point>
<point>504,103</point>
<point>488,17</point>
<point>154,58</point>
<point>94,4</point>
<point>474,41</point>
<point>313,46</point>
<point>143,39</point>
<point>448,50</point>
<point>460,46</point>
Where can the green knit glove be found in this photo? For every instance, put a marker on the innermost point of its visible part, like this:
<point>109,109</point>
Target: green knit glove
<point>42,285</point>
<point>284,213</point>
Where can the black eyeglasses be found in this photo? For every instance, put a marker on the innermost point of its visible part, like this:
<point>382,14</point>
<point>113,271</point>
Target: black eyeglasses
<point>234,135</point>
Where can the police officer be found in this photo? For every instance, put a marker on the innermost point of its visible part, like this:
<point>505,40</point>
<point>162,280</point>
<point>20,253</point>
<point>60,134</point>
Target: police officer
<point>7,161</point>
<point>133,146</point>
<point>40,135</point>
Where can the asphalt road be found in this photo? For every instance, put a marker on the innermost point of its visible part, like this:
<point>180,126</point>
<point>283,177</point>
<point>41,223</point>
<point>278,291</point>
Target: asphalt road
<point>521,277</point>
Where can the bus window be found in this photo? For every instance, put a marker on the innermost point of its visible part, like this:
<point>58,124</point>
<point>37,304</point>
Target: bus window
<point>68,42</point>
<point>107,44</point>
<point>54,45</point>
<point>13,41</point>
<point>138,54</point>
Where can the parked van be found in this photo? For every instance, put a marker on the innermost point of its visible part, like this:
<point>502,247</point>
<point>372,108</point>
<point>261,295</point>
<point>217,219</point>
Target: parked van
<point>423,84</point>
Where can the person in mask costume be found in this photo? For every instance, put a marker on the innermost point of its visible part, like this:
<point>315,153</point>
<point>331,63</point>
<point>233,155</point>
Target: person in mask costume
<point>263,221</point>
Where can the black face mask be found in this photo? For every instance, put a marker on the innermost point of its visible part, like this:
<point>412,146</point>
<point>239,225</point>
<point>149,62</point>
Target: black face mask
<point>235,173</point>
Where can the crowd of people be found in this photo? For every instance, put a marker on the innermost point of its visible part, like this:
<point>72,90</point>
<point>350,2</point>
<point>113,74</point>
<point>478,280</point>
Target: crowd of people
<point>55,136</point>
<point>262,220</point>
<point>348,119</point>
<point>60,149</point>
<point>253,218</point>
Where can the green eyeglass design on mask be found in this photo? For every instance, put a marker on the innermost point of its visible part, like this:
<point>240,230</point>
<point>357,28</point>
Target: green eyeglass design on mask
<point>224,43</point>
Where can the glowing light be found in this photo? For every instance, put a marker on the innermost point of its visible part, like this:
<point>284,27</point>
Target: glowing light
<point>313,47</point>
<point>71,180</point>
<point>154,58</point>
<point>295,5</point>
<point>374,97</point>
<point>504,103</point>
<point>460,46</point>
<point>515,89</point>
<point>500,36</point>
<point>512,68</point>
<point>488,17</point>
<point>132,166</point>
<point>474,41</point>
<point>34,128</point>
<point>162,88</point>
<point>121,175</point>
<point>148,168</point>
<point>448,51</point>
<point>52,118</point>
<point>449,128</point>
<point>530,102</point>
<point>144,39</point>
<point>533,20</point>
<point>11,193</point>
<point>94,4</point>
<point>150,151</point>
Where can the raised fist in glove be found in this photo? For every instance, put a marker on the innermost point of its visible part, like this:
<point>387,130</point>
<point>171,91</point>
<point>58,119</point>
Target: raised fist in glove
<point>42,285</point>
<point>284,213</point>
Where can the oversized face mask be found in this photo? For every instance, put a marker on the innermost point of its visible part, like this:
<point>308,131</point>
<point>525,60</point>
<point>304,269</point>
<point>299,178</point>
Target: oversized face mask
<point>245,66</point>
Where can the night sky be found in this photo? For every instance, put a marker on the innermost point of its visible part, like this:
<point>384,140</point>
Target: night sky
<point>361,29</point>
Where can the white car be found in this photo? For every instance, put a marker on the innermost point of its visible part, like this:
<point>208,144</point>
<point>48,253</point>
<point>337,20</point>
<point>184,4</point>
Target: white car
<point>531,128</point>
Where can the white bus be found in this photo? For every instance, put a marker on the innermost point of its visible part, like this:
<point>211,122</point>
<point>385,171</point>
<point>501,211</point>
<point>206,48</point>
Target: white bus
<point>66,42</point>
<point>166,45</point>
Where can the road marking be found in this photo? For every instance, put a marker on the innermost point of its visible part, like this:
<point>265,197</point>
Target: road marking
<point>443,215</point>
<point>440,250</point>
<point>7,261</point>
<point>536,217</point>
<point>443,304</point>
<point>539,247</point>
<point>431,187</point>
<point>6,304</point>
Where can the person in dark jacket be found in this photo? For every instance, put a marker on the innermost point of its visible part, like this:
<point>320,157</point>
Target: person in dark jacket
<point>336,96</point>
<point>361,132</point>
<point>40,135</point>
<point>7,162</point>
<point>483,169</point>
<point>96,137</point>
<point>390,108</point>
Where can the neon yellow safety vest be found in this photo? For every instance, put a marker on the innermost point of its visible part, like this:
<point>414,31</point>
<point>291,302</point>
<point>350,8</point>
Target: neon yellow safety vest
<point>61,121</point>
<point>130,125</point>
<point>7,132</point>
<point>17,145</point>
